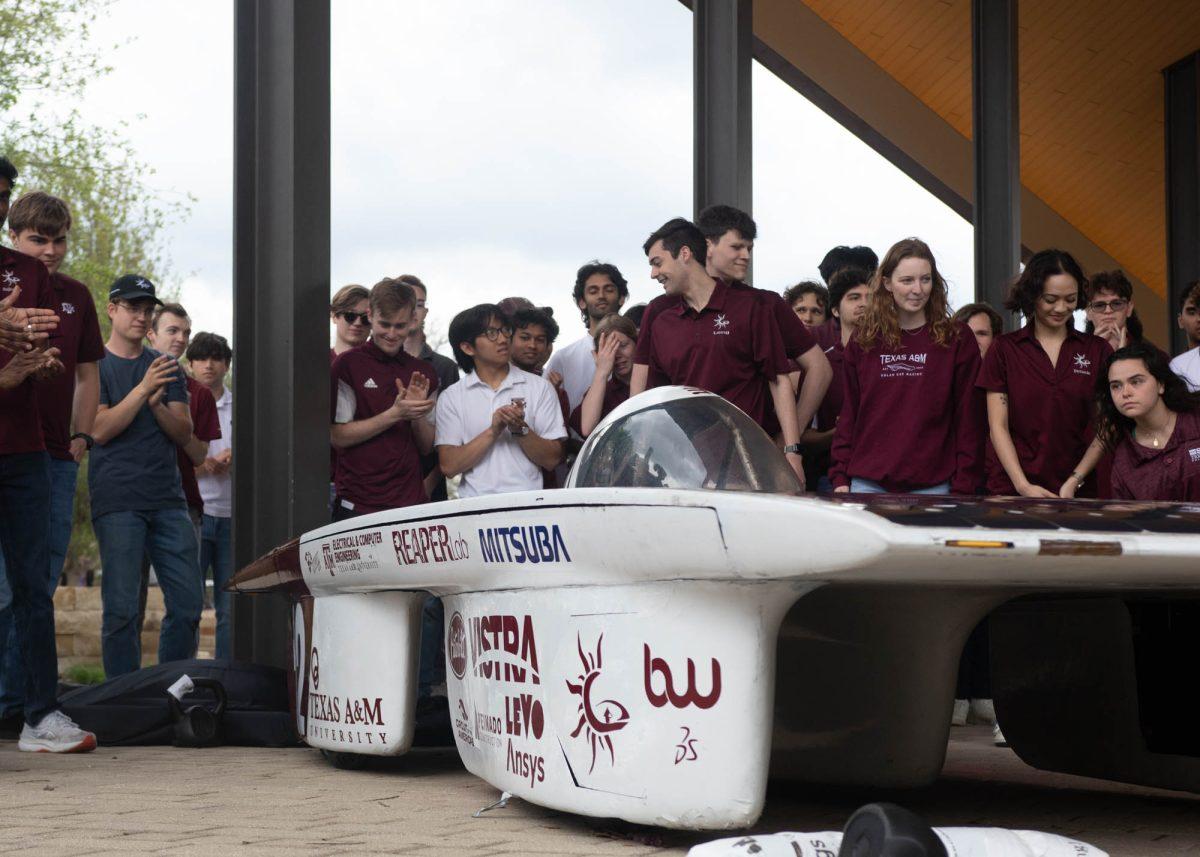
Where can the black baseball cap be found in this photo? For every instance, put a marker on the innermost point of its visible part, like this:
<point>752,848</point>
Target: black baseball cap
<point>131,287</point>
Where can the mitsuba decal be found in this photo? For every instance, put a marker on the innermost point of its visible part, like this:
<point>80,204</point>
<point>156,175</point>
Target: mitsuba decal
<point>532,544</point>
<point>691,695</point>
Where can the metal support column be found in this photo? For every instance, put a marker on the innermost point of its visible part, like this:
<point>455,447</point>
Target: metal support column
<point>722,50</point>
<point>997,143</point>
<point>1182,115</point>
<point>281,295</point>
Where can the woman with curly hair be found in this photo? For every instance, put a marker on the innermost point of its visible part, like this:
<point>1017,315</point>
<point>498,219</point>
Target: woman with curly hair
<point>1039,382</point>
<point>912,418</point>
<point>1151,422</point>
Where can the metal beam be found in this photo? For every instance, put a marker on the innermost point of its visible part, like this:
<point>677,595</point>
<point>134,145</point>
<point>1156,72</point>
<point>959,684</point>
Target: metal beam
<point>1182,116</point>
<point>997,145</point>
<point>281,294</point>
<point>723,32</point>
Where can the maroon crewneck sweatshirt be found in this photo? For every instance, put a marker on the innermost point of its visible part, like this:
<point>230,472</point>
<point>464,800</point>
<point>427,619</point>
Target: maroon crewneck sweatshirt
<point>912,416</point>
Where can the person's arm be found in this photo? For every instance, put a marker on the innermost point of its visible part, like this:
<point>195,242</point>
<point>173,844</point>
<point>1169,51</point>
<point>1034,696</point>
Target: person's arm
<point>785,410</point>
<point>541,436</point>
<point>84,405</point>
<point>422,429</point>
<point>175,421</point>
<point>817,441</point>
<point>637,380</point>
<point>591,409</point>
<point>1091,457</point>
<point>23,365</point>
<point>544,452</point>
<point>111,420</point>
<point>817,375</point>
<point>1006,451</point>
<point>195,449</point>
<point>412,403</point>
<point>24,328</point>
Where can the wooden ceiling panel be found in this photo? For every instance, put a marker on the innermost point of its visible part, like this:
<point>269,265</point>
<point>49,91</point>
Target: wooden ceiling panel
<point>1091,100</point>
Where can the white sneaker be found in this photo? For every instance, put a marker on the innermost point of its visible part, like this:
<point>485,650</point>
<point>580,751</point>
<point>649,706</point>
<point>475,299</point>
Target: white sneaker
<point>959,715</point>
<point>983,711</point>
<point>57,733</point>
<point>997,736</point>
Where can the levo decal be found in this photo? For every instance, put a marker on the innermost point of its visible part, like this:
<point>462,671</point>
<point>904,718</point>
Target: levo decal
<point>691,695</point>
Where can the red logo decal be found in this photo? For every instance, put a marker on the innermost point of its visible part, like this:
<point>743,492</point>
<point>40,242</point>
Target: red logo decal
<point>690,696</point>
<point>597,719</point>
<point>456,646</point>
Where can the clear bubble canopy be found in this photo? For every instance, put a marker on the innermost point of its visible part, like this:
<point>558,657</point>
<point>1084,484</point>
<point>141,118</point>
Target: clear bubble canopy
<point>679,437</point>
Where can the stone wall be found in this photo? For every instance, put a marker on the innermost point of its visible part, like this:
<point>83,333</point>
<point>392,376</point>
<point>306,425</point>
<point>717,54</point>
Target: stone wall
<point>77,612</point>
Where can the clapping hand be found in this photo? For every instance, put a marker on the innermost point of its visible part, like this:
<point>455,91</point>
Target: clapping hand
<point>26,363</point>
<point>412,402</point>
<point>555,379</point>
<point>22,328</point>
<point>154,382</point>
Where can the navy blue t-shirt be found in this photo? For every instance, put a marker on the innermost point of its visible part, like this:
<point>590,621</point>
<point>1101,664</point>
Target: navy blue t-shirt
<point>136,470</point>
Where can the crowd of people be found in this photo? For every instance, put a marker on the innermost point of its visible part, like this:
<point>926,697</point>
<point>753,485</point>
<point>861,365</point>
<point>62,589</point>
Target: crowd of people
<point>867,382</point>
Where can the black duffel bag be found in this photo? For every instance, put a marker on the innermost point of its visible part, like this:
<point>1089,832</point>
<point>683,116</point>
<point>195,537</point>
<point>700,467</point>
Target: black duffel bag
<point>135,709</point>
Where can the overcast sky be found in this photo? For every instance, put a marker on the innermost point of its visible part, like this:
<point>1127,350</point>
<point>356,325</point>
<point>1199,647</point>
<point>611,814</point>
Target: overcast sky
<point>492,147</point>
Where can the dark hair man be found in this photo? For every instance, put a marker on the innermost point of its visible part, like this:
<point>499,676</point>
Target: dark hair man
<point>809,301</point>
<point>839,257</point>
<point>729,239</point>
<point>707,334</point>
<point>138,504</point>
<point>984,322</point>
<point>500,426</point>
<point>534,332</point>
<point>38,227</point>
<point>381,399</point>
<point>849,291</point>
<point>447,374</point>
<point>1187,364</point>
<point>635,313</point>
<point>600,291</point>
<point>26,301</point>
<point>209,356</point>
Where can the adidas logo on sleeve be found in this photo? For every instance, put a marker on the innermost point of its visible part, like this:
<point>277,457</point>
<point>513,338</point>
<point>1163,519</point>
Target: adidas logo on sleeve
<point>370,384</point>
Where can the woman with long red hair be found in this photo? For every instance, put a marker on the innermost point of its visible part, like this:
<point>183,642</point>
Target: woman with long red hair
<point>912,418</point>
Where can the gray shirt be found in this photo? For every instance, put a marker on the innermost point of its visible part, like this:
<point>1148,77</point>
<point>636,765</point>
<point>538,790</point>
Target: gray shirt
<point>137,469</point>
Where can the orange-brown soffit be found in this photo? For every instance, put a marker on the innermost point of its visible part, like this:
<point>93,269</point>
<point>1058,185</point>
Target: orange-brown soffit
<point>1091,99</point>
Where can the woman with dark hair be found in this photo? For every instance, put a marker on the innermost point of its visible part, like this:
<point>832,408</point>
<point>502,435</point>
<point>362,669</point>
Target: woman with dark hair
<point>911,420</point>
<point>1151,421</point>
<point>1039,382</point>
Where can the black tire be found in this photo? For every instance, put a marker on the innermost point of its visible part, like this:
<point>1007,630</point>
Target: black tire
<point>887,830</point>
<point>346,761</point>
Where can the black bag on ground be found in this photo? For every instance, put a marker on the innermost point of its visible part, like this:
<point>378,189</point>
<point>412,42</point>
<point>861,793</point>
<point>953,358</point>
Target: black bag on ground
<point>134,708</point>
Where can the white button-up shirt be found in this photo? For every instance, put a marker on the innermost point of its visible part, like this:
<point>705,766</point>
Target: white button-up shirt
<point>577,364</point>
<point>464,411</point>
<point>217,491</point>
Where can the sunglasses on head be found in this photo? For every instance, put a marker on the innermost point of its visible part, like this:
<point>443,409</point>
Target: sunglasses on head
<point>354,317</point>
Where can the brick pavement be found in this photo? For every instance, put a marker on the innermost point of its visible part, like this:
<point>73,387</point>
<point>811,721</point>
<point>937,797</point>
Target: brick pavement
<point>236,801</point>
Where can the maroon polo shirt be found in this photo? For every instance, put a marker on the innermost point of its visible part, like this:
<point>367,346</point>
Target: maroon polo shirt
<point>615,392</point>
<point>79,341</point>
<point>731,347</point>
<point>829,338</point>
<point>1170,473</point>
<point>797,338</point>
<point>385,471</point>
<point>1050,407</point>
<point>206,426</point>
<point>20,422</point>
<point>912,416</point>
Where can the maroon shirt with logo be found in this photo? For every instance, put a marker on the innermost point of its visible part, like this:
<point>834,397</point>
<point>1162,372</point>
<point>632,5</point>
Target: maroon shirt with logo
<point>1170,473</point>
<point>615,392</point>
<point>79,341</point>
<point>206,426</point>
<point>1050,407</point>
<point>732,347</point>
<point>385,471</point>
<point>20,422</point>
<point>797,338</point>
<point>912,416</point>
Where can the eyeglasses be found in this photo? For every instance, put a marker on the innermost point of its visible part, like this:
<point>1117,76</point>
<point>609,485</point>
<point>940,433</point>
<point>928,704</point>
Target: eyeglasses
<point>354,317</point>
<point>494,333</point>
<point>146,309</point>
<point>1115,305</point>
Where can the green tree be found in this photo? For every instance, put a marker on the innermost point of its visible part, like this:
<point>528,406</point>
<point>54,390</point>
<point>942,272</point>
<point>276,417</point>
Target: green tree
<point>47,60</point>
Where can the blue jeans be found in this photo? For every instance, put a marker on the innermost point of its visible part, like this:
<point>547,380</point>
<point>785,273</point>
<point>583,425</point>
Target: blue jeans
<point>866,486</point>
<point>432,669</point>
<point>216,552</point>
<point>62,514</point>
<point>168,536</point>
<point>25,543</point>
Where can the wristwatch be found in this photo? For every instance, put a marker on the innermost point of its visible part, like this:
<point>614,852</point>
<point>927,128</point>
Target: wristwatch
<point>88,440</point>
<point>793,448</point>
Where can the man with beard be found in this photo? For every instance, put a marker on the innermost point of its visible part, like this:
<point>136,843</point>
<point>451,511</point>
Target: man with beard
<point>600,291</point>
